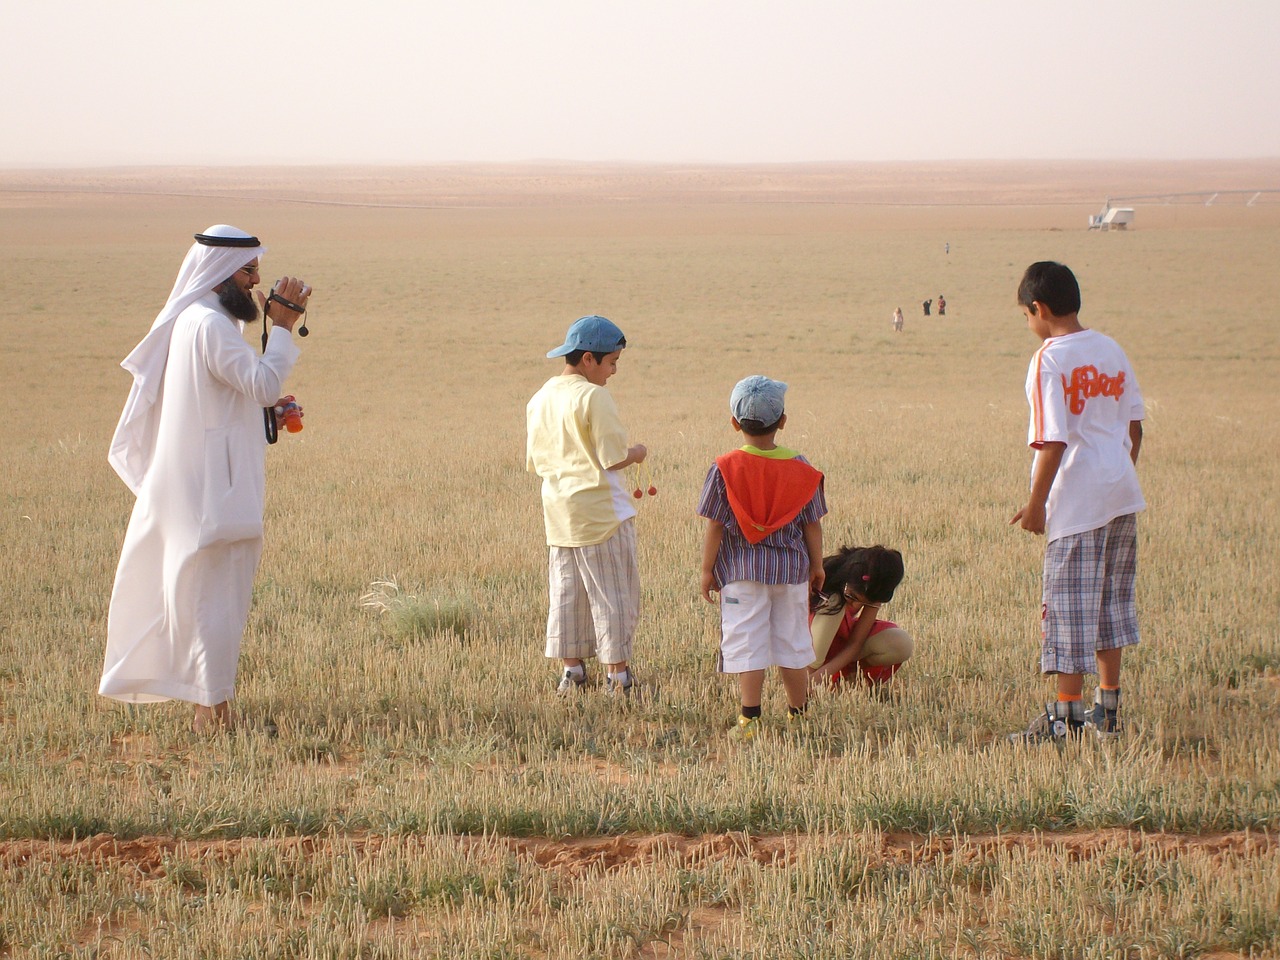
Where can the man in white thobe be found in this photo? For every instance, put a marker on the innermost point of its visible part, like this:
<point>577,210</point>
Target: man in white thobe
<point>191,446</point>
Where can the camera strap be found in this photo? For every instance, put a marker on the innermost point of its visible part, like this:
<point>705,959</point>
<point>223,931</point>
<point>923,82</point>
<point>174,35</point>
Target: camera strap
<point>268,413</point>
<point>295,307</point>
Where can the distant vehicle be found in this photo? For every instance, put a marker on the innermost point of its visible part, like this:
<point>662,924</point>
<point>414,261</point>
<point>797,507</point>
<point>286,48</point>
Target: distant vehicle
<point>1112,218</point>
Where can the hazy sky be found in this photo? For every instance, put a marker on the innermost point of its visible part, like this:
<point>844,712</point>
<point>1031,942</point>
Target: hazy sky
<point>175,81</point>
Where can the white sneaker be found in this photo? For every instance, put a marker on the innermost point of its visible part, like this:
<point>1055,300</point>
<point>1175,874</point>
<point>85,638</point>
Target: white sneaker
<point>623,691</point>
<point>571,682</point>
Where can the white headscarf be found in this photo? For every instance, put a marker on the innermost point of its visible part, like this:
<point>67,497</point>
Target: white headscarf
<point>207,264</point>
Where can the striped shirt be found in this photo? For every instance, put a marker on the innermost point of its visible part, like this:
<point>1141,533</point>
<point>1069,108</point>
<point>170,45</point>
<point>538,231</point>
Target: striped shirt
<point>781,557</point>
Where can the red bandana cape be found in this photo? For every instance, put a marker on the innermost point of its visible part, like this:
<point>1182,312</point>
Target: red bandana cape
<point>766,494</point>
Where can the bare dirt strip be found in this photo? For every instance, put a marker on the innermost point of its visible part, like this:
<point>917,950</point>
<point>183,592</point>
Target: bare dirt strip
<point>149,857</point>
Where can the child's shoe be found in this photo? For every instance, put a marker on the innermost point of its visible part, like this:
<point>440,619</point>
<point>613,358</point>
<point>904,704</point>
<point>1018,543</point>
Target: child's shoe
<point>1103,717</point>
<point>1055,725</point>
<point>571,681</point>
<point>747,728</point>
<point>620,689</point>
<point>797,723</point>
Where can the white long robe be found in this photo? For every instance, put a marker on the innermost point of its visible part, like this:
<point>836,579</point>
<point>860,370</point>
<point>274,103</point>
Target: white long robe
<point>185,580</point>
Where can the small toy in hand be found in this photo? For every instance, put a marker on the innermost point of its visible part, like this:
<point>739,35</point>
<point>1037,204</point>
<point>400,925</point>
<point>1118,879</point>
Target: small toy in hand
<point>643,476</point>
<point>289,414</point>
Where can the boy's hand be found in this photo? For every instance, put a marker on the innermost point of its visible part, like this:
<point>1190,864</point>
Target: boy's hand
<point>709,586</point>
<point>817,577</point>
<point>1030,518</point>
<point>635,455</point>
<point>1048,460</point>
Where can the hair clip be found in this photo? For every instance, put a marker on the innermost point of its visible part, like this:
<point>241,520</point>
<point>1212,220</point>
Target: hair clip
<point>866,577</point>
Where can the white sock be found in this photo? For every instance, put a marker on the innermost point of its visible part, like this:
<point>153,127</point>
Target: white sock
<point>576,671</point>
<point>623,678</point>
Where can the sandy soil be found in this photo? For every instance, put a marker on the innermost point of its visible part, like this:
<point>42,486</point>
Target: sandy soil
<point>550,183</point>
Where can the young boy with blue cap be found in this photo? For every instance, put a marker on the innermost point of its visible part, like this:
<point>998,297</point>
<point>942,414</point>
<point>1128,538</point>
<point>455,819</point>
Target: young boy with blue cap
<point>577,445</point>
<point>763,552</point>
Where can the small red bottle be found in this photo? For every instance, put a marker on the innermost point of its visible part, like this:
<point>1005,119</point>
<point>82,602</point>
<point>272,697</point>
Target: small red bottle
<point>289,413</point>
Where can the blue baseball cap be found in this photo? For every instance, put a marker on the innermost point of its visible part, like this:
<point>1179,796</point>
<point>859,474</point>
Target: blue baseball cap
<point>591,333</point>
<point>757,398</point>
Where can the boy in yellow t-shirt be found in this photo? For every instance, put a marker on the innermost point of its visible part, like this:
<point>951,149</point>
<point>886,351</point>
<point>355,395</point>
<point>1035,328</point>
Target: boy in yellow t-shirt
<point>577,445</point>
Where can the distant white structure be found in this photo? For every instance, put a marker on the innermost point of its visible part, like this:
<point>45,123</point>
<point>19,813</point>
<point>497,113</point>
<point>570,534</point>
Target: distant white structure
<point>1112,218</point>
<point>1119,218</point>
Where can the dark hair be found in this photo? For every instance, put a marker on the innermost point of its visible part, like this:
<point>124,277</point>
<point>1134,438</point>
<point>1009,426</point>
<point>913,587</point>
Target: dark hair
<point>574,357</point>
<point>871,572</point>
<point>1053,284</point>
<point>758,428</point>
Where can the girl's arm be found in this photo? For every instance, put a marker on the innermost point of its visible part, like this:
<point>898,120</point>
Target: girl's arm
<point>857,637</point>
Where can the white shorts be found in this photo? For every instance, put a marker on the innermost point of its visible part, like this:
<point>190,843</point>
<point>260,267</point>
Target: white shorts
<point>595,599</point>
<point>764,625</point>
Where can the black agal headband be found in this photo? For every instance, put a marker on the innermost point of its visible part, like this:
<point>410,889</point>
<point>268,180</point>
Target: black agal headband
<point>211,241</point>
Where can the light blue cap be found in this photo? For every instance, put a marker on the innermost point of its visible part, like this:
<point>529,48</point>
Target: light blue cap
<point>591,333</point>
<point>757,398</point>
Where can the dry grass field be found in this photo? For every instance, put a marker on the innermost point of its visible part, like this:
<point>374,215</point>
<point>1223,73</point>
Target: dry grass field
<point>427,794</point>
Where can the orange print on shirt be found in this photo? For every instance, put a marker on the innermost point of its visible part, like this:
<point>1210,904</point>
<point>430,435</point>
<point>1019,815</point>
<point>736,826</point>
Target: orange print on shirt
<point>1086,383</point>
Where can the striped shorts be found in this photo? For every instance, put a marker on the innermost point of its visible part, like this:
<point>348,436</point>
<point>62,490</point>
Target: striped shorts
<point>595,598</point>
<point>1088,596</point>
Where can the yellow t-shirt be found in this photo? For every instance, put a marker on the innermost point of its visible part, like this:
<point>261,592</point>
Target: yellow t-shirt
<point>574,435</point>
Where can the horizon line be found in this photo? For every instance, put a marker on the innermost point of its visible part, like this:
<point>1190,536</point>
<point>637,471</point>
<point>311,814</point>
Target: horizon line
<point>11,166</point>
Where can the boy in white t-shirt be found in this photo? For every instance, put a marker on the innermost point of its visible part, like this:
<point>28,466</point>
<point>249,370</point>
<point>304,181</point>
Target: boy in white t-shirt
<point>577,445</point>
<point>1086,429</point>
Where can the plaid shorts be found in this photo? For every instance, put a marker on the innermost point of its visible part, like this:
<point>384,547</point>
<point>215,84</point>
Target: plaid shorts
<point>1088,596</point>
<point>595,598</point>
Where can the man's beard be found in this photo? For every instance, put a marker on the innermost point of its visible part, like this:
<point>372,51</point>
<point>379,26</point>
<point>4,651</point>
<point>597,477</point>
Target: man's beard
<point>236,302</point>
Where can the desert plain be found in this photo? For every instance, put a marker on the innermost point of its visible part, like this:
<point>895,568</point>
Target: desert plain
<point>406,782</point>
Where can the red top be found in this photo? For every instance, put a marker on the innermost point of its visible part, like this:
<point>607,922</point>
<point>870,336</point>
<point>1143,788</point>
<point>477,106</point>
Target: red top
<point>766,494</point>
<point>840,642</point>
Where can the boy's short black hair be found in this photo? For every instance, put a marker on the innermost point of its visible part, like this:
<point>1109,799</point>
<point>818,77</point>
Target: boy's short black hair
<point>574,357</point>
<point>1052,284</point>
<point>757,428</point>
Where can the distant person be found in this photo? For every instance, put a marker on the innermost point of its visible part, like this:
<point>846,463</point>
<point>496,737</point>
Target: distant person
<point>942,305</point>
<point>897,319</point>
<point>925,305</point>
<point>578,446</point>
<point>192,448</point>
<point>946,248</point>
<point>762,552</point>
<point>1086,429</point>
<point>850,641</point>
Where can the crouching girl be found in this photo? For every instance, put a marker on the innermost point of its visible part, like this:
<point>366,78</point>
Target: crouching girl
<point>850,642</point>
